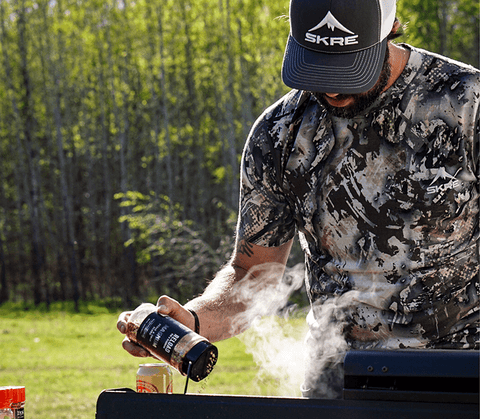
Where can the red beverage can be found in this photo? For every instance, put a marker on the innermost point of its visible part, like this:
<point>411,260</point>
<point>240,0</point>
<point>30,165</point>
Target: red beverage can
<point>154,378</point>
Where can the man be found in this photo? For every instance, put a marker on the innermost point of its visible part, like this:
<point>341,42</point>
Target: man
<point>373,158</point>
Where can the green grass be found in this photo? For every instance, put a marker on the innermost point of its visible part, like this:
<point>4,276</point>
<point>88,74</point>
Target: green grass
<point>65,359</point>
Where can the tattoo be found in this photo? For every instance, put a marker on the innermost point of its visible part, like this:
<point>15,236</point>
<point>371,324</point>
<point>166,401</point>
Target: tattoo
<point>245,248</point>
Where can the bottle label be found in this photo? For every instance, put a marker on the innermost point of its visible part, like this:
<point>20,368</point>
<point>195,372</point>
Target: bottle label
<point>160,335</point>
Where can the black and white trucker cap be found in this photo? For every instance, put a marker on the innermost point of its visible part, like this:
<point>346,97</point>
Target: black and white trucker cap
<point>337,46</point>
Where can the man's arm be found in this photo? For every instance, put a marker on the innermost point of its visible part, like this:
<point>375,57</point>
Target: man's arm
<point>221,307</point>
<point>251,269</point>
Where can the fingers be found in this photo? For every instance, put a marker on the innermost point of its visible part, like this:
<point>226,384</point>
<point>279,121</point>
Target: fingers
<point>170,307</point>
<point>131,347</point>
<point>166,306</point>
<point>122,321</point>
<point>134,349</point>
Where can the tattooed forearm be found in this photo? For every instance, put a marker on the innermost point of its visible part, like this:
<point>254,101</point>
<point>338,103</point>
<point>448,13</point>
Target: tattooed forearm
<point>245,248</point>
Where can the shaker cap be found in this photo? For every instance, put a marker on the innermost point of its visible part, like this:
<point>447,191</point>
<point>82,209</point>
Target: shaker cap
<point>6,394</point>
<point>18,394</point>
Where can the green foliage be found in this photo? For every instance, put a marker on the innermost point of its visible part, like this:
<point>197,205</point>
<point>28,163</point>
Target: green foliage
<point>99,98</point>
<point>179,250</point>
<point>447,27</point>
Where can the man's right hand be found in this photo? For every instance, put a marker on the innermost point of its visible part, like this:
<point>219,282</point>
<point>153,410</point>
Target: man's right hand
<point>166,306</point>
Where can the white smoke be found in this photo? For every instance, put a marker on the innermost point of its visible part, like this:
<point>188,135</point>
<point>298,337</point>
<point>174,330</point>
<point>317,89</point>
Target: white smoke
<point>284,350</point>
<point>277,348</point>
<point>278,351</point>
<point>326,346</point>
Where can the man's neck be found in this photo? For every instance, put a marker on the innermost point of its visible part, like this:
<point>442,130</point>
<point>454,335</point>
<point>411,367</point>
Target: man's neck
<point>398,60</point>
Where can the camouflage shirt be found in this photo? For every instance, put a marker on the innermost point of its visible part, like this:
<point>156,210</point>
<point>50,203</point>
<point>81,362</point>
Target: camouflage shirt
<point>386,204</point>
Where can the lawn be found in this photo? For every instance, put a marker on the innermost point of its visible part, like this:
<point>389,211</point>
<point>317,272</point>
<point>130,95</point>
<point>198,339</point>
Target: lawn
<point>65,359</point>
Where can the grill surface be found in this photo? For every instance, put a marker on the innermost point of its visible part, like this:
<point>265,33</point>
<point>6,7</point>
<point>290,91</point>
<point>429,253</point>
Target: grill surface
<point>378,385</point>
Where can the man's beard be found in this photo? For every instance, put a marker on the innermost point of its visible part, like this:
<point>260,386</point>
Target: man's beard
<point>362,101</point>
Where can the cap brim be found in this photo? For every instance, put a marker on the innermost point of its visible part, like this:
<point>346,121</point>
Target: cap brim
<point>347,73</point>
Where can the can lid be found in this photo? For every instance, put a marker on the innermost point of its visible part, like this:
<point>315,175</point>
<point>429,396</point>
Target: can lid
<point>18,394</point>
<point>6,394</point>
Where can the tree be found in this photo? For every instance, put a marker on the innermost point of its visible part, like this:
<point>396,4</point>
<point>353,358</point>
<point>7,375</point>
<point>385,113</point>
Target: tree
<point>449,28</point>
<point>144,98</point>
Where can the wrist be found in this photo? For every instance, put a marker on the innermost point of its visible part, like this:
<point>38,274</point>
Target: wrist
<point>196,321</point>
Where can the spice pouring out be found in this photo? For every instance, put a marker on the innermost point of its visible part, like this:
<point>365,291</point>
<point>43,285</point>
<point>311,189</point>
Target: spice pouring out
<point>172,342</point>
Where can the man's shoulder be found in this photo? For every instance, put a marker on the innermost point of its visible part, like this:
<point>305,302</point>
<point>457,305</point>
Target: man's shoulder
<point>273,129</point>
<point>436,67</point>
<point>439,87</point>
<point>287,105</point>
<point>276,120</point>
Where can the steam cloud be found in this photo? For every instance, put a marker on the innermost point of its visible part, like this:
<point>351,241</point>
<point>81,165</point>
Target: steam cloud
<point>284,351</point>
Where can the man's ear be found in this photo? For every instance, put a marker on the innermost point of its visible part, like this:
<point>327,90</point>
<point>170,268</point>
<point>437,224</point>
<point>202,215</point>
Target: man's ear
<point>396,25</point>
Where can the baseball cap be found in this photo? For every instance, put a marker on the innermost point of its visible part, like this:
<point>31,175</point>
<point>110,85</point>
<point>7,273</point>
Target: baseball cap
<point>337,46</point>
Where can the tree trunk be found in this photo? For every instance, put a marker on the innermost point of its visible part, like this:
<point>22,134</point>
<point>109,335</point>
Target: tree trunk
<point>54,103</point>
<point>164,110</point>
<point>20,174</point>
<point>40,293</point>
<point>107,187</point>
<point>442,14</point>
<point>194,161</point>
<point>129,286</point>
<point>4,291</point>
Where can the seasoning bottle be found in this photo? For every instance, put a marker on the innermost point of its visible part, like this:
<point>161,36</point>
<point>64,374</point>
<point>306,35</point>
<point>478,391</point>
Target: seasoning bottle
<point>6,411</point>
<point>169,340</point>
<point>18,402</point>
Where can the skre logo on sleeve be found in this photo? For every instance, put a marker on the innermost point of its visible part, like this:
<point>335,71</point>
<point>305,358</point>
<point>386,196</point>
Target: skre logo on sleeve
<point>331,23</point>
<point>449,182</point>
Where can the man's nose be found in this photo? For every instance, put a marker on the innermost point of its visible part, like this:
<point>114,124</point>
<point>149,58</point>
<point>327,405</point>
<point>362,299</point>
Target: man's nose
<point>332,95</point>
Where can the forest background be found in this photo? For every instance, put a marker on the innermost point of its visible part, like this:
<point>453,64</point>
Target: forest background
<point>121,130</point>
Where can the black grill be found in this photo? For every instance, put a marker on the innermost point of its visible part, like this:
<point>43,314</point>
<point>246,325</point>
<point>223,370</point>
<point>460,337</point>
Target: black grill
<point>410,375</point>
<point>378,385</point>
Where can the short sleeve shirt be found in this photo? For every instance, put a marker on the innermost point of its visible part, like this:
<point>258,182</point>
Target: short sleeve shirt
<point>386,204</point>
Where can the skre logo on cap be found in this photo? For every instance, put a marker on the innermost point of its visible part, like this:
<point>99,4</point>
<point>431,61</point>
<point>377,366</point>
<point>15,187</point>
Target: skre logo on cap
<point>331,41</point>
<point>340,39</point>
